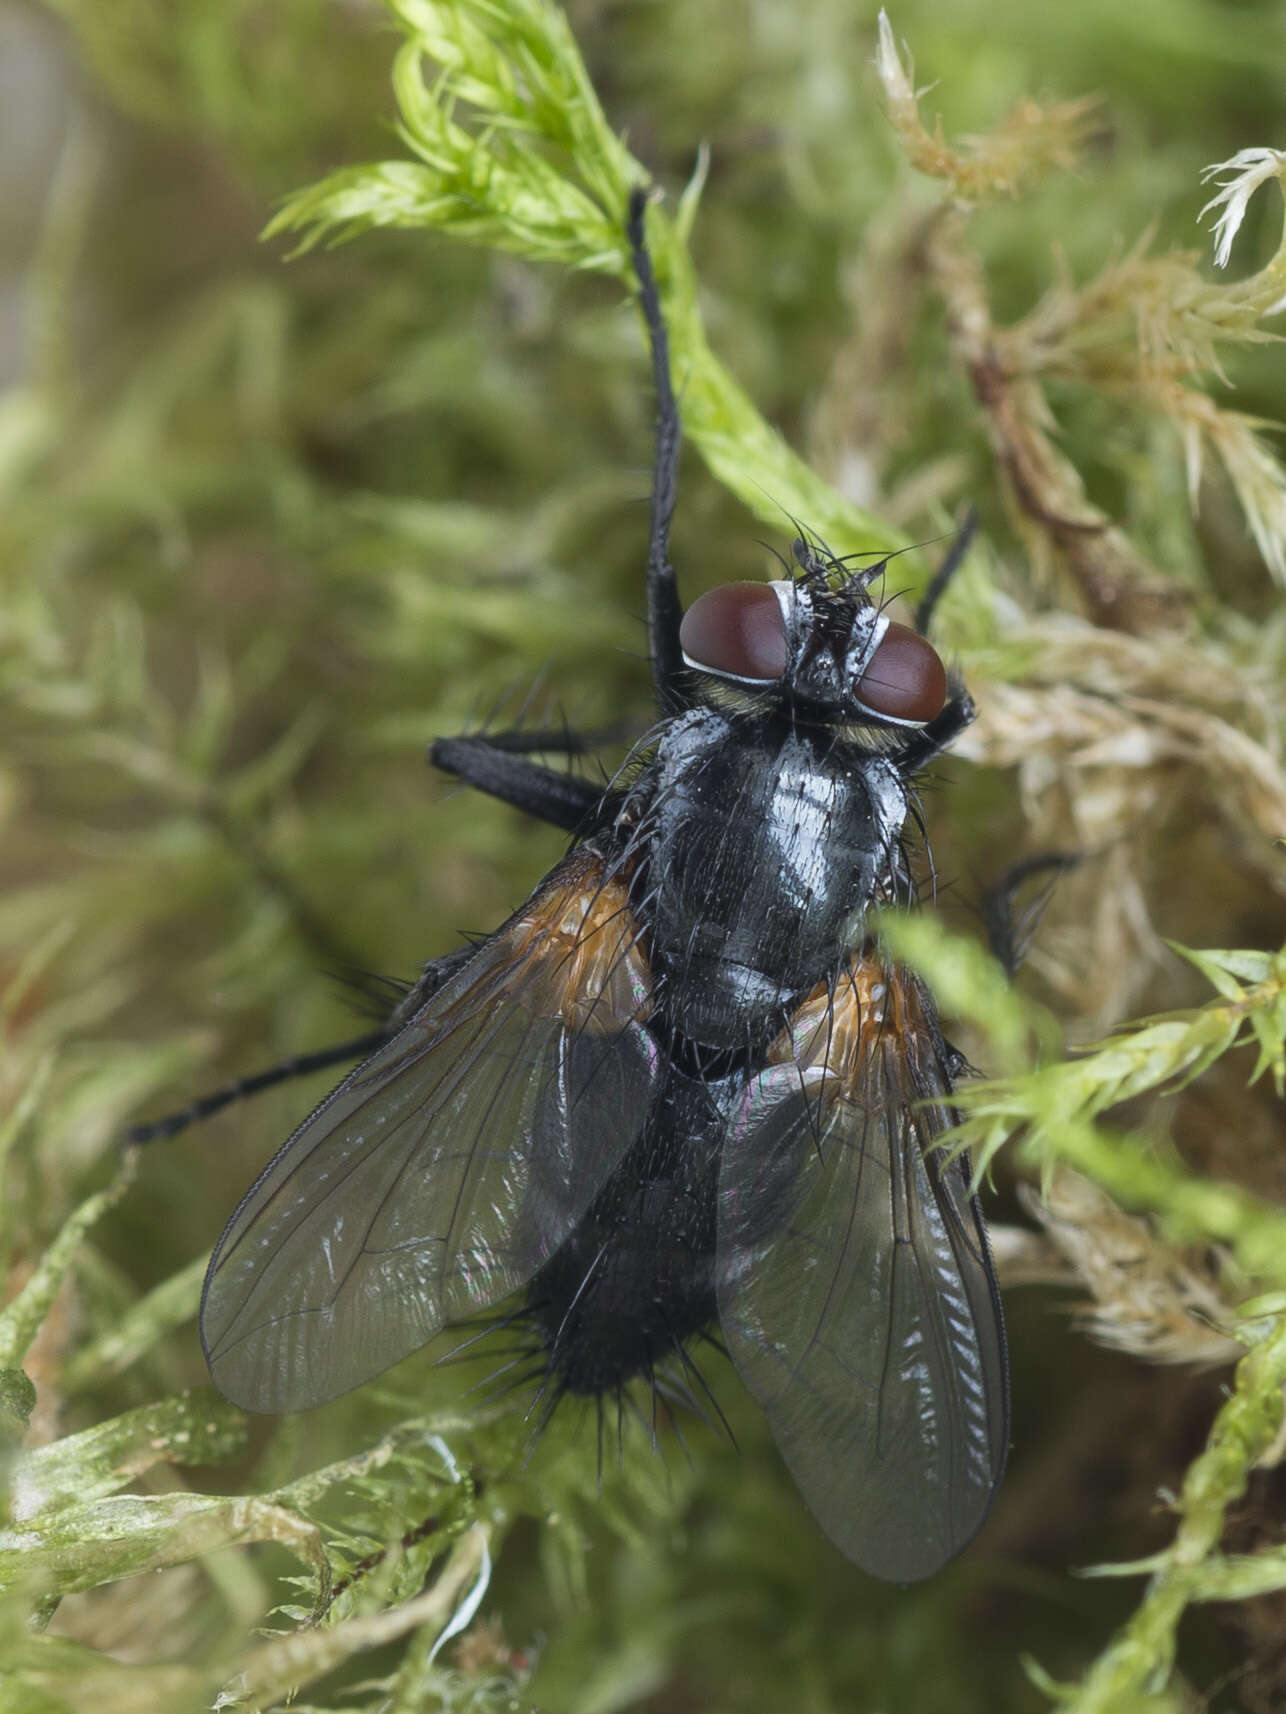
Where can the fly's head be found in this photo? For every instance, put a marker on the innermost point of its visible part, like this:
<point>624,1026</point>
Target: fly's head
<point>817,646</point>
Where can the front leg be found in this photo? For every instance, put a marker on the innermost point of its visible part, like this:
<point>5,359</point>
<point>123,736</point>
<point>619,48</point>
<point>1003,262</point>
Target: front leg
<point>664,611</point>
<point>497,764</point>
<point>433,976</point>
<point>941,732</point>
<point>946,571</point>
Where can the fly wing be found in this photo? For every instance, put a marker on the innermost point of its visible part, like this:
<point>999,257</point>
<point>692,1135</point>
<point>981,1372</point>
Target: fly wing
<point>443,1172</point>
<point>855,1284</point>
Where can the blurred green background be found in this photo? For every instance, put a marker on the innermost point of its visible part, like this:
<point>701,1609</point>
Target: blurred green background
<point>268,526</point>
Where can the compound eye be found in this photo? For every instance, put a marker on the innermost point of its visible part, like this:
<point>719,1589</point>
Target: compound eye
<point>736,630</point>
<point>905,679</point>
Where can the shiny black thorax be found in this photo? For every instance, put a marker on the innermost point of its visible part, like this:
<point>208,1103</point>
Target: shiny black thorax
<point>763,840</point>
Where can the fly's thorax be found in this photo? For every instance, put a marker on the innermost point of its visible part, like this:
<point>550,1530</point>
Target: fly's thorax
<point>766,843</point>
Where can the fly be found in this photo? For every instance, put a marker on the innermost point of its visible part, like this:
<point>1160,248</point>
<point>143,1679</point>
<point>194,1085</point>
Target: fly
<point>680,1086</point>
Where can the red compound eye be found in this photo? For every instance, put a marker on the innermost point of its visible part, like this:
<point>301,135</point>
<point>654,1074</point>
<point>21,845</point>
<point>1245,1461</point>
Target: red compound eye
<point>905,679</point>
<point>738,630</point>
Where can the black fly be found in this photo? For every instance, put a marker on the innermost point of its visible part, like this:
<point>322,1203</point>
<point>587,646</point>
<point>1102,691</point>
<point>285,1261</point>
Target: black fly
<point>680,1085</point>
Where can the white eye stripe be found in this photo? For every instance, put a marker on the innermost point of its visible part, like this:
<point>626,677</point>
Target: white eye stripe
<point>859,665</point>
<point>789,597</point>
<point>732,678</point>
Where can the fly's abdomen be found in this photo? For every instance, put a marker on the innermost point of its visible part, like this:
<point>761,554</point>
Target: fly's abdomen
<point>615,1302</point>
<point>635,1280</point>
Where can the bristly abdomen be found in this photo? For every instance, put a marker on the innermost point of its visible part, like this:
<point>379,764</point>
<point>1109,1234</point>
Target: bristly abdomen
<point>635,1280</point>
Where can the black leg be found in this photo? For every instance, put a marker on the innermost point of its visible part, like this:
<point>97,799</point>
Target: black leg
<point>945,572</point>
<point>1009,928</point>
<point>920,750</point>
<point>495,764</point>
<point>664,612</point>
<point>431,978</point>
<point>217,1099</point>
<point>549,740</point>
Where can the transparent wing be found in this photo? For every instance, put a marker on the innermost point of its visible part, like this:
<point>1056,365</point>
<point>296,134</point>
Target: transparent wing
<point>448,1168</point>
<point>855,1285</point>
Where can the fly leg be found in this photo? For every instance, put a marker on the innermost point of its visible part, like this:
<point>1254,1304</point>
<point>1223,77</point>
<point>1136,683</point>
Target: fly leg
<point>664,612</point>
<point>959,712</point>
<point>938,735</point>
<point>215,1100</point>
<point>1010,926</point>
<point>431,978</point>
<point>946,571</point>
<point>496,763</point>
